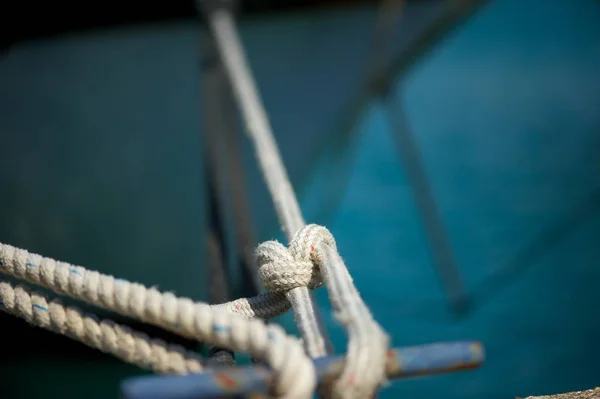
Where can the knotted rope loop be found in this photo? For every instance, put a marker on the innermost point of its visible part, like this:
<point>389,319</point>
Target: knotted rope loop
<point>311,259</point>
<point>283,269</point>
<point>306,240</point>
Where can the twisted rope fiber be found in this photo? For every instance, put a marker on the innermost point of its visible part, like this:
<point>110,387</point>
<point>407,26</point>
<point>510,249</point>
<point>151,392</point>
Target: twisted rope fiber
<point>294,371</point>
<point>106,335</point>
<point>364,369</point>
<point>312,257</point>
<point>259,131</point>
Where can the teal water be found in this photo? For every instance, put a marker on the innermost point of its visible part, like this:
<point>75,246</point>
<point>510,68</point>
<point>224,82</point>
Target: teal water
<point>101,162</point>
<point>506,117</point>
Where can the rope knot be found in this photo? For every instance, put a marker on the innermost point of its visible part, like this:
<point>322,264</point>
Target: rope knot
<point>283,269</point>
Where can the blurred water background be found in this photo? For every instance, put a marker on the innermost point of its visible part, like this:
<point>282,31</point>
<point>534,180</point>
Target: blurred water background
<point>101,165</point>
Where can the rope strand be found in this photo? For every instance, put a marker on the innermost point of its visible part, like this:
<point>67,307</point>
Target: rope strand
<point>362,373</point>
<point>311,256</point>
<point>105,335</point>
<point>195,320</point>
<point>364,369</point>
<point>244,88</point>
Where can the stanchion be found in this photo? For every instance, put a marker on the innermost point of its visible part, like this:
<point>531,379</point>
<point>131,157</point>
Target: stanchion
<point>254,381</point>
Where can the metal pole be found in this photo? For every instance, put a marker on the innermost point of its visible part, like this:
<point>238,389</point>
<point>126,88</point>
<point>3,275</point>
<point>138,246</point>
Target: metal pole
<point>225,182</point>
<point>221,132</point>
<point>378,86</point>
<point>439,242</point>
<point>255,381</point>
<point>219,276</point>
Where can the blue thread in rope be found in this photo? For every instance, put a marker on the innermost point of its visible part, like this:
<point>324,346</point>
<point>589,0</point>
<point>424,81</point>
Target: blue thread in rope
<point>221,329</point>
<point>29,264</point>
<point>40,307</point>
<point>271,336</point>
<point>75,271</point>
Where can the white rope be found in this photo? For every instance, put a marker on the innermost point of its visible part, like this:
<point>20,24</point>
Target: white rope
<point>293,370</point>
<point>288,272</point>
<point>106,335</point>
<point>313,255</point>
<point>368,343</point>
<point>293,272</point>
<point>287,208</point>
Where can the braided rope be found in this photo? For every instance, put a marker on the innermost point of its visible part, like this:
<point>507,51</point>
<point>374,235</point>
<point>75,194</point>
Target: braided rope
<point>106,335</point>
<point>258,128</point>
<point>311,256</point>
<point>288,272</point>
<point>293,379</point>
<point>298,270</point>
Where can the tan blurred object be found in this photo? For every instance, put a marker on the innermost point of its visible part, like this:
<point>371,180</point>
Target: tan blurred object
<point>589,394</point>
